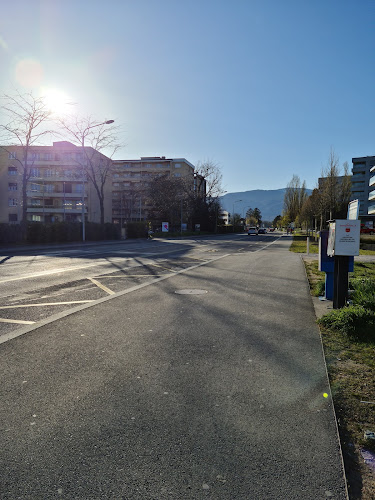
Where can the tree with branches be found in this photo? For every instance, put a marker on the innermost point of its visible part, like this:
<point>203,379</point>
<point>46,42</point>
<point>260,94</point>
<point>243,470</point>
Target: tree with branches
<point>94,138</point>
<point>26,125</point>
<point>294,197</point>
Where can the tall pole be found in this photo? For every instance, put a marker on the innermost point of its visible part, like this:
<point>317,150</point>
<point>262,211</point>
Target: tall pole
<point>83,176</point>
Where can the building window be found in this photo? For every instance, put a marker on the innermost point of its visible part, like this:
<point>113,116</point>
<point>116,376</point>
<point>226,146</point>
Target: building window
<point>49,188</point>
<point>12,170</point>
<point>12,155</point>
<point>35,172</point>
<point>12,202</point>
<point>35,202</point>
<point>79,188</point>
<point>47,156</point>
<point>13,218</point>
<point>67,156</point>
<point>177,175</point>
<point>177,165</point>
<point>116,184</point>
<point>36,218</point>
<point>36,187</point>
<point>12,186</point>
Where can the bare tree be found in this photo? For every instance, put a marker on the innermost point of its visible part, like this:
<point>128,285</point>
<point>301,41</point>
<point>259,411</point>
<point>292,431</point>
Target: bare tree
<point>213,176</point>
<point>330,185</point>
<point>294,197</point>
<point>95,138</point>
<point>27,124</point>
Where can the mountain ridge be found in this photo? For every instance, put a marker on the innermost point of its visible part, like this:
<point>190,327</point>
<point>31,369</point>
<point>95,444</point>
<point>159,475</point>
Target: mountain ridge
<point>269,201</point>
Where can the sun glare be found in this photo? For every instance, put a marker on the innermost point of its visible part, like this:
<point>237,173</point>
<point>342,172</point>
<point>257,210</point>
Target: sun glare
<point>58,102</point>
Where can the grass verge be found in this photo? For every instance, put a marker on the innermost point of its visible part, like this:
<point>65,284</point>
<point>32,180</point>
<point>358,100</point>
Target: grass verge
<point>299,244</point>
<point>351,369</point>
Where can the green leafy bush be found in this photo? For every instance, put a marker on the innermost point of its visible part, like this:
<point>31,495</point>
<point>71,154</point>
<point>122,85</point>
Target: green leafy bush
<point>363,293</point>
<point>355,321</point>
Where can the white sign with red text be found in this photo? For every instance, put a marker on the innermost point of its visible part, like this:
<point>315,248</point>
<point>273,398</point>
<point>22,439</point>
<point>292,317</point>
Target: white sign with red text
<point>347,236</point>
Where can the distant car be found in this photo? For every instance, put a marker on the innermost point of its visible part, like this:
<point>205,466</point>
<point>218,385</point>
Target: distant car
<point>262,230</point>
<point>252,230</point>
<point>367,230</point>
<point>271,229</point>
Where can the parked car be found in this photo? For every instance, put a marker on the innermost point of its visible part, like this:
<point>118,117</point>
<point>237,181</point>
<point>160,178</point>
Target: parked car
<point>262,230</point>
<point>367,230</point>
<point>252,230</point>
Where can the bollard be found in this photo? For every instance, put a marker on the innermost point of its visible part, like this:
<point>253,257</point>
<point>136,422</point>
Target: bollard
<point>308,245</point>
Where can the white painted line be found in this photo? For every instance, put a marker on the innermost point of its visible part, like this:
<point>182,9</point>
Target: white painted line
<point>48,304</point>
<point>103,287</point>
<point>132,276</point>
<point>17,321</point>
<point>51,319</point>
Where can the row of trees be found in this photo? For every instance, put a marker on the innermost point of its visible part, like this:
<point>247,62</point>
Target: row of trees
<point>329,200</point>
<point>27,121</point>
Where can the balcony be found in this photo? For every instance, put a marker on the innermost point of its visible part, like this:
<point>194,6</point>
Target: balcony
<point>54,210</point>
<point>54,194</point>
<point>372,181</point>
<point>371,196</point>
<point>371,210</point>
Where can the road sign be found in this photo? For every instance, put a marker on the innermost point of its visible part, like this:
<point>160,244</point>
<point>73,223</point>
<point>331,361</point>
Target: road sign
<point>165,227</point>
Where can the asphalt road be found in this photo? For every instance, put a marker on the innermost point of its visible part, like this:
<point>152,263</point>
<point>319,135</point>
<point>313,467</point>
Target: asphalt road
<point>204,382</point>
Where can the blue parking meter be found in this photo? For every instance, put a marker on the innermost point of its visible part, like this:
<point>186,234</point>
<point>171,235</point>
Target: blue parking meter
<point>327,264</point>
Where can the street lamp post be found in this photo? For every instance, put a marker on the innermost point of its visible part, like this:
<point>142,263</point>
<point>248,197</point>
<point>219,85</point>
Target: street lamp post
<point>108,122</point>
<point>237,201</point>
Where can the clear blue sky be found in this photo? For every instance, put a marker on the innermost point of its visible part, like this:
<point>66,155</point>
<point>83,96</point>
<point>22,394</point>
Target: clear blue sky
<point>263,88</point>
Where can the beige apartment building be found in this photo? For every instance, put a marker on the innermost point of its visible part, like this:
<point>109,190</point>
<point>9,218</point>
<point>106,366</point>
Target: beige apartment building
<point>131,178</point>
<point>57,188</point>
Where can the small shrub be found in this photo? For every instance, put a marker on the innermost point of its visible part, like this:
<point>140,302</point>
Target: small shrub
<point>363,293</point>
<point>319,289</point>
<point>354,321</point>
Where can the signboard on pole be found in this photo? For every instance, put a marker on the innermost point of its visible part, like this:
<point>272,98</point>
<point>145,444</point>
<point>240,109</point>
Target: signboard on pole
<point>165,227</point>
<point>344,236</point>
<point>353,210</point>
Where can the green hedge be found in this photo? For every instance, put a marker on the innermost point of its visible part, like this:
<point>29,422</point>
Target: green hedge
<point>57,232</point>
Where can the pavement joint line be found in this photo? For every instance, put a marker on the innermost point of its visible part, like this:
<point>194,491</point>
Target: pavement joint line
<point>51,319</point>
<point>17,321</point>
<point>47,304</point>
<point>103,287</point>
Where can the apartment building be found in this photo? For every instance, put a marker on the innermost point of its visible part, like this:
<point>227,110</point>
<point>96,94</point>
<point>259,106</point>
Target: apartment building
<point>363,184</point>
<point>131,179</point>
<point>57,188</point>
<point>371,197</point>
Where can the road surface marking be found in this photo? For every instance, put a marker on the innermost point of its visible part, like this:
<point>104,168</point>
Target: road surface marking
<point>48,304</point>
<point>162,267</point>
<point>103,287</point>
<point>17,321</point>
<point>51,319</point>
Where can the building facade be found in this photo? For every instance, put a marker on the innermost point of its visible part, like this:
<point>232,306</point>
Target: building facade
<point>363,184</point>
<point>131,179</point>
<point>371,197</point>
<point>57,187</point>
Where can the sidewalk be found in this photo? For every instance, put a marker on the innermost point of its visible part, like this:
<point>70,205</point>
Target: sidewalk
<point>209,384</point>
